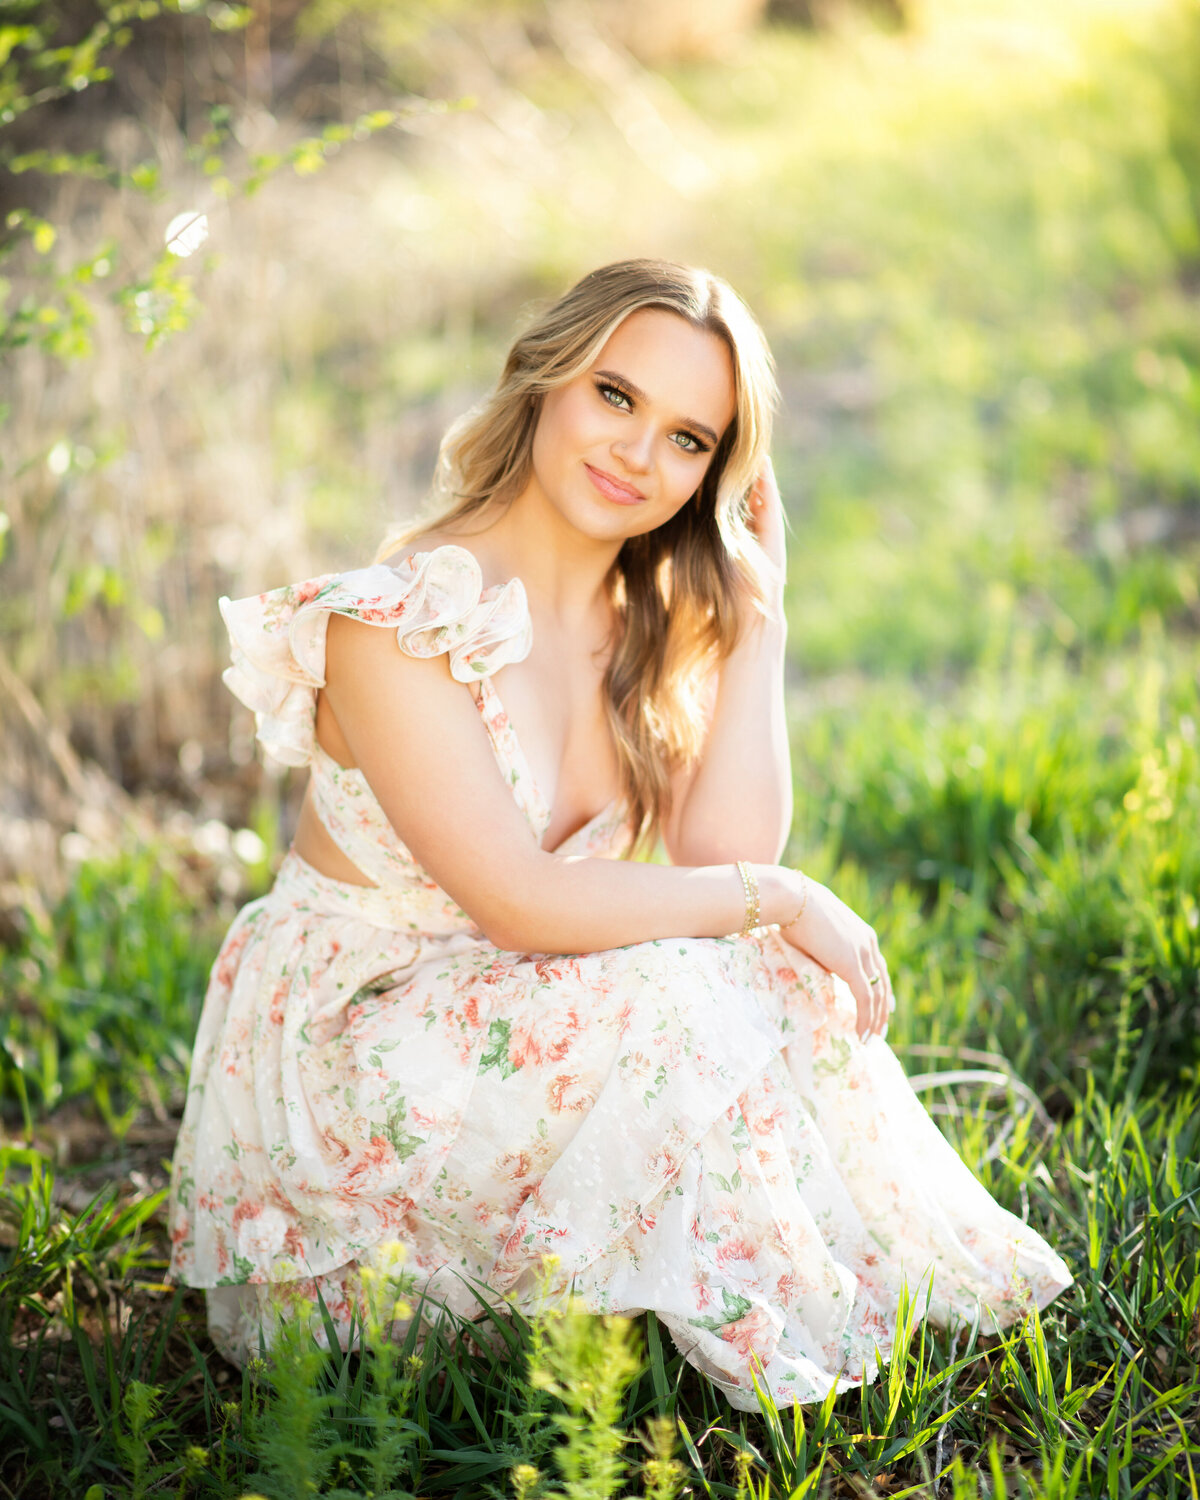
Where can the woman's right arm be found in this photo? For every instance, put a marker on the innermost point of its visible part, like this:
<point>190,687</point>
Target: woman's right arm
<point>417,736</point>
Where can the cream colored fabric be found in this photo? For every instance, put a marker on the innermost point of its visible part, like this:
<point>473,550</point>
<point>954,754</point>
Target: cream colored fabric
<point>687,1125</point>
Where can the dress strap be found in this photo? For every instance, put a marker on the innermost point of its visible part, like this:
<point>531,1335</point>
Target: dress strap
<point>510,757</point>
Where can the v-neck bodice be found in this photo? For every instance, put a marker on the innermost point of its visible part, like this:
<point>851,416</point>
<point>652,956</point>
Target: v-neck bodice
<point>515,768</point>
<point>358,825</point>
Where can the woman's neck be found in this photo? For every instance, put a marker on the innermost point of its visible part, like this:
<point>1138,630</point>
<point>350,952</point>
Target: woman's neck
<point>564,572</point>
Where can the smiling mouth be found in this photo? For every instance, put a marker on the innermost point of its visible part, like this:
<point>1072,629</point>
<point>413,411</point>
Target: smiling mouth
<point>612,488</point>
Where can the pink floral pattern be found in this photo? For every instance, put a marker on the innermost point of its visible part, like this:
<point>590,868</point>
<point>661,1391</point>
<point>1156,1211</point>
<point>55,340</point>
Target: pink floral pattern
<point>687,1125</point>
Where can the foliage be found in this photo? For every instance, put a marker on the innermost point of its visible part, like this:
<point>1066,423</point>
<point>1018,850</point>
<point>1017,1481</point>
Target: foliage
<point>586,1365</point>
<point>129,129</point>
<point>103,993</point>
<point>980,281</point>
<point>978,265</point>
<point>1044,824</point>
<point>37,68</point>
<point>1103,1389</point>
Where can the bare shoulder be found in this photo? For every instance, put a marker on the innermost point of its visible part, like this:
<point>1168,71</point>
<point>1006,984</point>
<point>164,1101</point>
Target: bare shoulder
<point>356,650</point>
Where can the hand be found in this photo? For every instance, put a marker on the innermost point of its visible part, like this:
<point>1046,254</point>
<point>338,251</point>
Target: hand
<point>766,517</point>
<point>844,944</point>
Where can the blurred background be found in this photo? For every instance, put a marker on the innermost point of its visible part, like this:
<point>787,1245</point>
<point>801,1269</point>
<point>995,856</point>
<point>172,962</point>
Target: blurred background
<point>257,257</point>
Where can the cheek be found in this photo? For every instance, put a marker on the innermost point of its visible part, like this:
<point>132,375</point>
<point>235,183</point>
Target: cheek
<point>561,425</point>
<point>685,475</point>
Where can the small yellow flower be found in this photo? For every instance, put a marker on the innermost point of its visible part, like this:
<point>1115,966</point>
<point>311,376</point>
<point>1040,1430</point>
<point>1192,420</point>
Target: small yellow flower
<point>389,1255</point>
<point>524,1478</point>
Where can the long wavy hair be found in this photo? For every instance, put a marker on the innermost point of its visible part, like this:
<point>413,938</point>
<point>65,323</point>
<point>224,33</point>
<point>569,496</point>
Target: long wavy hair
<point>680,593</point>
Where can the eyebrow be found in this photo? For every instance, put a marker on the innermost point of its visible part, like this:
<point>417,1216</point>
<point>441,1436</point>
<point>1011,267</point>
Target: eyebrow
<point>640,395</point>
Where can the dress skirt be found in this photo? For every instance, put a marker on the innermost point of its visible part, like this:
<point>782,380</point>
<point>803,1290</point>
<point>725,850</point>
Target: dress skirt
<point>689,1126</point>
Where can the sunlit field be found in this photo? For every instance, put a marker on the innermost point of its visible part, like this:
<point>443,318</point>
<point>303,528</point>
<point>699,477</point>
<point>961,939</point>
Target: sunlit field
<point>974,241</point>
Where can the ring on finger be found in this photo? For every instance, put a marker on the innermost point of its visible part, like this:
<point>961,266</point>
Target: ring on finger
<point>874,979</point>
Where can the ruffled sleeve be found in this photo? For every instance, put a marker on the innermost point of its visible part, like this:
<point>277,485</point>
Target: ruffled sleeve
<point>434,601</point>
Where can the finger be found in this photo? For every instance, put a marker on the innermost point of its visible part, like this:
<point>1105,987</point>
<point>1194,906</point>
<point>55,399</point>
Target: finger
<point>879,990</point>
<point>866,964</point>
<point>873,964</point>
<point>887,998</point>
<point>861,990</point>
<point>756,512</point>
<point>887,984</point>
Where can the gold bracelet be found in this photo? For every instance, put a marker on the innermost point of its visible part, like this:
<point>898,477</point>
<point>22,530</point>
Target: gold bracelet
<point>804,899</point>
<point>750,886</point>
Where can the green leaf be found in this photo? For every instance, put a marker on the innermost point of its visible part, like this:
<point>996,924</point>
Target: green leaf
<point>734,1310</point>
<point>497,1054</point>
<point>404,1141</point>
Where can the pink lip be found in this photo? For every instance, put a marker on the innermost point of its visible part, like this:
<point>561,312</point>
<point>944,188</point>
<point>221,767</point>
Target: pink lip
<point>612,488</point>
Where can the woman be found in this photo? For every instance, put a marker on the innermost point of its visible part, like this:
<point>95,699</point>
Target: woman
<point>460,1019</point>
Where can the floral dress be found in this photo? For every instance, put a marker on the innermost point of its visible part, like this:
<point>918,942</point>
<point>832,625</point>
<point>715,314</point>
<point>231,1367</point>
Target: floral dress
<point>688,1125</point>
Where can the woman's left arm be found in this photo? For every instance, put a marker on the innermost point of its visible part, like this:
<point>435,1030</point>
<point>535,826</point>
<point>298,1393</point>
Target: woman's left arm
<point>736,803</point>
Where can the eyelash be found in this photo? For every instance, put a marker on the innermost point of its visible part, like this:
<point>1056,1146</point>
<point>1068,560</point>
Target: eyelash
<point>605,387</point>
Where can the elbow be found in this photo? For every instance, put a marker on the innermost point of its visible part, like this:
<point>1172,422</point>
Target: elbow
<point>527,934</point>
<point>756,831</point>
<point>525,938</point>
<point>513,922</point>
<point>529,930</point>
<point>507,938</point>
<point>767,846</point>
<point>506,931</point>
<point>533,909</point>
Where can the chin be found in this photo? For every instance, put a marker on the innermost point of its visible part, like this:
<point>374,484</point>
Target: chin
<point>597,519</point>
<point>622,526</point>
<point>608,529</point>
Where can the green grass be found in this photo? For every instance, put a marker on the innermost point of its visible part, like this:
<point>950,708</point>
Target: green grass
<point>1037,903</point>
<point>1104,1386</point>
<point>103,994</point>
<point>978,263</point>
<point>976,253</point>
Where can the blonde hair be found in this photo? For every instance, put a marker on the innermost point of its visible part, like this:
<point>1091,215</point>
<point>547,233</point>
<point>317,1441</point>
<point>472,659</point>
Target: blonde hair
<point>680,591</point>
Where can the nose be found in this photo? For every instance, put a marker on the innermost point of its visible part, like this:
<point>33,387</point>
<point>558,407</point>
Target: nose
<point>637,450</point>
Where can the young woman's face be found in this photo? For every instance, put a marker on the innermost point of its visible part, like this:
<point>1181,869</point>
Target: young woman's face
<point>619,449</point>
